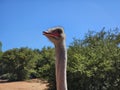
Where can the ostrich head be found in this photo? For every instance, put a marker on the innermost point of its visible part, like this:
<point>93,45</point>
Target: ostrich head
<point>55,35</point>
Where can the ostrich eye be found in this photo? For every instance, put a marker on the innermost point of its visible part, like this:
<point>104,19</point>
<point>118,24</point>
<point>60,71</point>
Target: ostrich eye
<point>59,31</point>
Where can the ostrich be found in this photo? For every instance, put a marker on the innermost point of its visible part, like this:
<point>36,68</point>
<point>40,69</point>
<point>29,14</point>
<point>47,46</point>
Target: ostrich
<point>57,36</point>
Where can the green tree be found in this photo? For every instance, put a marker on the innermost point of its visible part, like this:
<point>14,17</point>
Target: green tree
<point>19,63</point>
<point>0,46</point>
<point>94,63</point>
<point>45,65</point>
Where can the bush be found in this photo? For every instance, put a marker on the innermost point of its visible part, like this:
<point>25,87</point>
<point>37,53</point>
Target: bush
<point>45,66</point>
<point>18,63</point>
<point>94,63</point>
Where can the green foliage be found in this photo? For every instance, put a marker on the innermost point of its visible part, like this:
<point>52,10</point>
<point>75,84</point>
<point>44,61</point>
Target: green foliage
<point>45,65</point>
<point>18,63</point>
<point>94,63</point>
<point>0,46</point>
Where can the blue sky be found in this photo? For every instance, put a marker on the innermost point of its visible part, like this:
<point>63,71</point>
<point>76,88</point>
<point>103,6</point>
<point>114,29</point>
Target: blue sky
<point>22,21</point>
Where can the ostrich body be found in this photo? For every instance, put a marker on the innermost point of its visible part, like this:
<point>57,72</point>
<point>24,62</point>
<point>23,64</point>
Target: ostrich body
<point>57,36</point>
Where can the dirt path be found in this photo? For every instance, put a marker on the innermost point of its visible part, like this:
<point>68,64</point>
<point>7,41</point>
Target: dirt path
<point>33,84</point>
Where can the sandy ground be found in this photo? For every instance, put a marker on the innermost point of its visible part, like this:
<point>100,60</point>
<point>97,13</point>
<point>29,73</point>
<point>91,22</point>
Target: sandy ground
<point>33,84</point>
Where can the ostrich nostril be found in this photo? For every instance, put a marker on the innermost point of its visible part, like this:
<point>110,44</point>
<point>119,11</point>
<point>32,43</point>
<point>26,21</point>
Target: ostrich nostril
<point>44,32</point>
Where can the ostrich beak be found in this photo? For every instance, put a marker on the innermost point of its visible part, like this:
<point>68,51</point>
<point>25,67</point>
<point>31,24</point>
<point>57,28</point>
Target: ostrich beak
<point>50,34</point>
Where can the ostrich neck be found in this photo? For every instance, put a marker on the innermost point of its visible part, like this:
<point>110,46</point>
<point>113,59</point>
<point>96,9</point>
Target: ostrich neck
<point>61,63</point>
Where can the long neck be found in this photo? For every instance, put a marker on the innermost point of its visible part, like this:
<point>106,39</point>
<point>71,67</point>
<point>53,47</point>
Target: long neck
<point>61,63</point>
